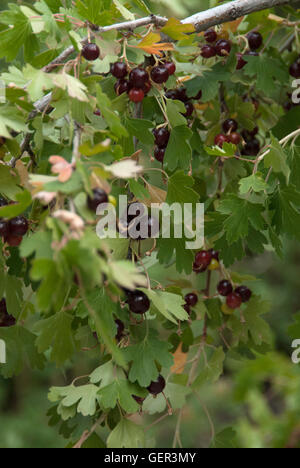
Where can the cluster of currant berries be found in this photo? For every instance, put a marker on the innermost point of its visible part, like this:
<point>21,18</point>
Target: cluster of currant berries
<point>6,320</point>
<point>130,224</point>
<point>295,68</point>
<point>180,94</point>
<point>191,300</point>
<point>255,41</point>
<point>161,137</point>
<point>252,146</point>
<point>230,135</point>
<point>14,230</point>
<point>215,46</point>
<point>139,82</point>
<point>234,298</point>
<point>221,47</point>
<point>206,259</point>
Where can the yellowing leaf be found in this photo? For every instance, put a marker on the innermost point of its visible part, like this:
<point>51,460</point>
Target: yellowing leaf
<point>177,30</point>
<point>180,359</point>
<point>151,45</point>
<point>150,39</point>
<point>233,25</point>
<point>157,195</point>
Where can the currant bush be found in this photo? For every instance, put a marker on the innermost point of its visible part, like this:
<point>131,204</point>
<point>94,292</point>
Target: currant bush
<point>132,116</point>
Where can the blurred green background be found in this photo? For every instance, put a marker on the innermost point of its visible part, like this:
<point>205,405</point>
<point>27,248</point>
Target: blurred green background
<point>262,400</point>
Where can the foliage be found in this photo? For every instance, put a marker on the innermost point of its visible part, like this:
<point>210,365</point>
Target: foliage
<point>65,286</point>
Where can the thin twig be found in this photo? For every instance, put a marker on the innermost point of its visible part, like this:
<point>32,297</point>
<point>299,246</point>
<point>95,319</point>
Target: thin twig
<point>283,142</point>
<point>204,407</point>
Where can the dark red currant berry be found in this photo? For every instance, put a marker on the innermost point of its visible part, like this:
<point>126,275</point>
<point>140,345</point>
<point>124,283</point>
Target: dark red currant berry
<point>160,74</point>
<point>157,386</point>
<point>223,47</point>
<point>3,307</point>
<point>13,241</point>
<point>4,228</point>
<point>171,67</point>
<point>225,288</point>
<point>138,77</point>
<point>198,96</point>
<point>119,70</point>
<point>91,52</point>
<point>189,109</point>
<point>252,148</point>
<point>187,308</point>
<point>171,94</point>
<point>6,320</point>
<point>244,292</point>
<point>241,63</point>
<point>138,399</point>
<point>161,136</point>
<point>99,197</point>
<point>181,94</point>
<point>203,258</point>
<point>295,70</point>
<point>136,95</point>
<point>255,40</point>
<point>121,87</point>
<point>235,138</point>
<point>97,113</point>
<point>159,154</point>
<point>247,135</point>
<point>147,87</point>
<point>234,301</point>
<point>220,140</point>
<point>208,51</point>
<point>214,254</point>
<point>199,269</point>
<point>138,302</point>
<point>191,299</point>
<point>18,226</point>
<point>230,125</point>
<point>210,35</point>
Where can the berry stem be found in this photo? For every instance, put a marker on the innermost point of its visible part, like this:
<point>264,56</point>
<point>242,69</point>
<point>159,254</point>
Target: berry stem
<point>162,105</point>
<point>294,135</point>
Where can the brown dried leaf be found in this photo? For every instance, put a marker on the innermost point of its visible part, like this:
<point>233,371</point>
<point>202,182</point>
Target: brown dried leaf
<point>180,359</point>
